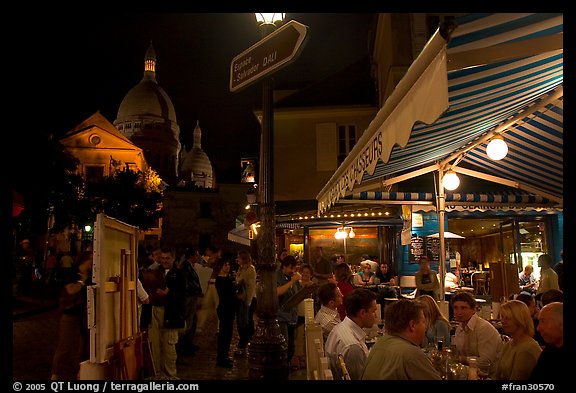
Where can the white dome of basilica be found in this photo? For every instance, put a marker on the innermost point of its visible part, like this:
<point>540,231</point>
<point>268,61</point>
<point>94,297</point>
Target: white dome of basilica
<point>147,100</point>
<point>147,117</point>
<point>195,164</point>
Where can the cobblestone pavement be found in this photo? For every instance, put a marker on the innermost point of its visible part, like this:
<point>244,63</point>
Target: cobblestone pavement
<point>35,333</point>
<point>202,366</point>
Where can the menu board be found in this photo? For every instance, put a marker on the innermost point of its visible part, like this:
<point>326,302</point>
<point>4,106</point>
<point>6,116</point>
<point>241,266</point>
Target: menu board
<point>433,249</point>
<point>417,249</point>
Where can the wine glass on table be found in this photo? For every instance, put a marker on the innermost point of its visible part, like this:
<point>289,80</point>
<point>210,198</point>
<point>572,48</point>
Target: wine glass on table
<point>380,324</point>
<point>484,367</point>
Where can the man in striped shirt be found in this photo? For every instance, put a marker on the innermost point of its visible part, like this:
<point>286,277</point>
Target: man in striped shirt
<point>348,337</point>
<point>328,317</point>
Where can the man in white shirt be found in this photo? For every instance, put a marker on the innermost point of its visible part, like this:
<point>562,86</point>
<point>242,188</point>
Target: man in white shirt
<point>328,317</point>
<point>474,336</point>
<point>348,337</point>
<point>397,355</point>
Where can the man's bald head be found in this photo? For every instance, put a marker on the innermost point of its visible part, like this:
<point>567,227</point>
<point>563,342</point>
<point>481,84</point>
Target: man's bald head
<point>551,325</point>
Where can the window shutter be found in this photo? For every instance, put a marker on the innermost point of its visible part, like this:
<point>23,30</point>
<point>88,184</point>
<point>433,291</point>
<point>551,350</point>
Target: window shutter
<point>326,147</point>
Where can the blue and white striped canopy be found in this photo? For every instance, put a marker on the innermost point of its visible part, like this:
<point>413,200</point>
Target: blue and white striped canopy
<point>483,97</point>
<point>487,197</point>
<point>498,66</point>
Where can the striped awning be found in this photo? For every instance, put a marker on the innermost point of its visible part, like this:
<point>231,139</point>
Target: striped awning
<point>499,67</point>
<point>452,197</point>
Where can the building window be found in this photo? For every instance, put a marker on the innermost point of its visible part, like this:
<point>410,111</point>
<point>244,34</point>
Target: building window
<point>346,141</point>
<point>204,240</point>
<point>94,139</point>
<point>205,210</point>
<point>94,173</point>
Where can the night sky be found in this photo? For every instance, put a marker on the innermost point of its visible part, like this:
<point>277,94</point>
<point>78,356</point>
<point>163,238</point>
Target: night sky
<point>80,64</point>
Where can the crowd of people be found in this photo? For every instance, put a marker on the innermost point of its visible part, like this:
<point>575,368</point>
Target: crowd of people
<point>522,347</point>
<point>178,292</point>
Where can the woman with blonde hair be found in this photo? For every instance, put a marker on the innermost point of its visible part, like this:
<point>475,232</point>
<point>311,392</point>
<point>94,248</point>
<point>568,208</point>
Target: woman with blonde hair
<point>520,354</point>
<point>438,325</point>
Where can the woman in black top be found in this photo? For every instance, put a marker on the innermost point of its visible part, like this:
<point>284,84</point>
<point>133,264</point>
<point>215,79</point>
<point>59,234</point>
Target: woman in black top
<point>227,303</point>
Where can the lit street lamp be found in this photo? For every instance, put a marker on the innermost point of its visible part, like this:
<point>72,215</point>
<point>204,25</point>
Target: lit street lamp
<point>268,349</point>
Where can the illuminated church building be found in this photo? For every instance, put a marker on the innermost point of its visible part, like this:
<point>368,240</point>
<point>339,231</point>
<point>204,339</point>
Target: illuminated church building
<point>147,117</point>
<point>197,210</point>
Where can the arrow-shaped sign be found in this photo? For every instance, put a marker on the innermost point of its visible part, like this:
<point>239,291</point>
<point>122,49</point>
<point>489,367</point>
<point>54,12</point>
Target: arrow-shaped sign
<point>268,55</point>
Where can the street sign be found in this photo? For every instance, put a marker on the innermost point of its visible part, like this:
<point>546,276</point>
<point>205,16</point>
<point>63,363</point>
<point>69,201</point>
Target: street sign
<point>271,53</point>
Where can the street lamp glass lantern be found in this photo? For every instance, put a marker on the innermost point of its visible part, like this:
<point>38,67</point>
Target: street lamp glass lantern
<point>450,181</point>
<point>269,19</point>
<point>497,149</point>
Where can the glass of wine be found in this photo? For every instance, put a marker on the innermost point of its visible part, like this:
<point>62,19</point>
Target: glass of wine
<point>380,324</point>
<point>484,367</point>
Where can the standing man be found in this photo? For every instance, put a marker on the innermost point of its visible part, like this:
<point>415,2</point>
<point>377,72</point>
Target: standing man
<point>397,355</point>
<point>322,267</point>
<point>427,280</point>
<point>548,277</point>
<point>149,277</point>
<point>559,269</point>
<point>287,284</point>
<point>474,336</point>
<point>348,337</point>
<point>168,314</point>
<point>186,344</point>
<point>553,361</point>
<point>246,277</point>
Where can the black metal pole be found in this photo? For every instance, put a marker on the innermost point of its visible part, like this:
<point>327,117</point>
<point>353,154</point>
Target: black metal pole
<point>268,349</point>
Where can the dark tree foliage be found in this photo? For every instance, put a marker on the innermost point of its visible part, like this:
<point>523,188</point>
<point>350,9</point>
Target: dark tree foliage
<point>125,197</point>
<point>47,179</point>
<point>48,182</point>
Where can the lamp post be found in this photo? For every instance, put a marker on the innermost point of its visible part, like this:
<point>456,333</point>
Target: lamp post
<point>268,349</point>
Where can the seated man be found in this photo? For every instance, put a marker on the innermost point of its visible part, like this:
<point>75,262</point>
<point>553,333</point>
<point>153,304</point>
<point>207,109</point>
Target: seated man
<point>397,355</point>
<point>348,337</point>
<point>527,281</point>
<point>474,336</point>
<point>551,295</point>
<point>553,361</point>
<point>327,317</point>
<point>387,288</point>
<point>451,282</point>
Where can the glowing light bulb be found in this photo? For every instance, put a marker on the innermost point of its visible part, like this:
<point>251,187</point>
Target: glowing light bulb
<point>497,149</point>
<point>450,181</point>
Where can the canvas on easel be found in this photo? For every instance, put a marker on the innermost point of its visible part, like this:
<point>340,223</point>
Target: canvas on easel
<point>115,339</point>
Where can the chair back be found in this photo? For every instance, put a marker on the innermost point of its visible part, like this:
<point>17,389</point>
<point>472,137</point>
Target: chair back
<point>407,281</point>
<point>342,363</point>
<point>407,286</point>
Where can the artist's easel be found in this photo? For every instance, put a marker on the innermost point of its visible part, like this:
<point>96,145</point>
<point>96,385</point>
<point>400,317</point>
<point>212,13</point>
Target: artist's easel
<point>128,351</point>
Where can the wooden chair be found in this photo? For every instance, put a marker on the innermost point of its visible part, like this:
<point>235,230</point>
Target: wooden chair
<point>480,283</point>
<point>345,375</point>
